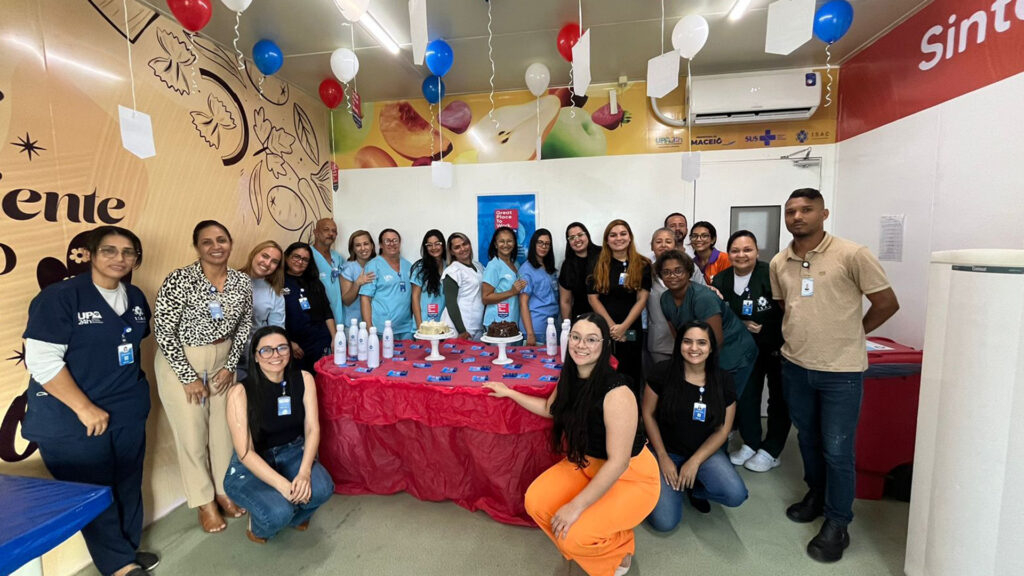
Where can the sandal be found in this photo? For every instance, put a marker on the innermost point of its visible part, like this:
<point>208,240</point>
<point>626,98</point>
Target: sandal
<point>303,527</point>
<point>230,509</point>
<point>623,568</point>
<point>210,518</point>
<point>253,537</point>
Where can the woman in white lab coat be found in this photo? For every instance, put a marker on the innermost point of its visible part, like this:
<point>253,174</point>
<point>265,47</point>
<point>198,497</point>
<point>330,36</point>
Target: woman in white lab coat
<point>464,309</point>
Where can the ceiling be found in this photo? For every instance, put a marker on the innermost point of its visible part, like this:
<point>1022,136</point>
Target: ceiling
<point>624,35</point>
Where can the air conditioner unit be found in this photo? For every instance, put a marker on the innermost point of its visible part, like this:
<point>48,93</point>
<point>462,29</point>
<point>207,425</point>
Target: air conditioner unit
<point>756,97</point>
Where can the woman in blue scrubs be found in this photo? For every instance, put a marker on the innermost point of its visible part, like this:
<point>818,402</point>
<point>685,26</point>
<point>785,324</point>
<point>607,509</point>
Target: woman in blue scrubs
<point>539,300</point>
<point>308,314</point>
<point>353,275</point>
<point>502,285</point>
<point>389,296</point>
<point>427,295</point>
<point>88,397</point>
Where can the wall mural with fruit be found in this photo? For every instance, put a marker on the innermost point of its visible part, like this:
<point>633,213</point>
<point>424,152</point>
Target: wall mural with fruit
<point>259,163</point>
<point>412,132</point>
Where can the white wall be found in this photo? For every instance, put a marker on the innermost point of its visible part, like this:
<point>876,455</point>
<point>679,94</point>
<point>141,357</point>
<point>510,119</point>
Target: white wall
<point>954,171</point>
<point>642,189</point>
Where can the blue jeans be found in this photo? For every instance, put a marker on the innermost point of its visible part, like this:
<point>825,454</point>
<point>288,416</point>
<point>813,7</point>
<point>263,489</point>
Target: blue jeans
<point>268,509</point>
<point>825,408</point>
<point>717,481</point>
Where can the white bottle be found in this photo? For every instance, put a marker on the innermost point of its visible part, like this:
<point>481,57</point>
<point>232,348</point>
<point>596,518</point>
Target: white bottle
<point>340,359</point>
<point>550,336</point>
<point>372,349</point>
<point>362,336</point>
<point>353,337</point>
<point>388,344</point>
<point>564,339</point>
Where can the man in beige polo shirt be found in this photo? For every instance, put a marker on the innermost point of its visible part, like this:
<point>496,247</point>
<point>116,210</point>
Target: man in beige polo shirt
<point>820,281</point>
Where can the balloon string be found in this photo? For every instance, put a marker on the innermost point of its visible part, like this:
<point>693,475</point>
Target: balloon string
<point>128,42</point>
<point>689,109</point>
<point>440,134</point>
<point>431,106</point>
<point>490,56</point>
<point>352,39</point>
<point>238,53</point>
<point>538,127</point>
<point>330,114</point>
<point>348,96</point>
<point>828,72</point>
<point>662,26</point>
<point>579,6</point>
<point>572,95</point>
<point>195,59</point>
<point>260,86</point>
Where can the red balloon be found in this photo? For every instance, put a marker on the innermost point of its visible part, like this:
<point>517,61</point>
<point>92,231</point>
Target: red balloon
<point>331,93</point>
<point>567,38</point>
<point>192,14</point>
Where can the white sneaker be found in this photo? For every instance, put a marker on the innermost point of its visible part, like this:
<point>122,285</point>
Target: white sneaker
<point>739,457</point>
<point>761,462</point>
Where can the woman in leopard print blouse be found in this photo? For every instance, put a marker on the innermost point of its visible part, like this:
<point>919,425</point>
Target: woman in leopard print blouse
<point>202,319</point>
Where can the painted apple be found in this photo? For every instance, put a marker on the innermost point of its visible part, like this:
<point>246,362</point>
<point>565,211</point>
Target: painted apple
<point>409,134</point>
<point>574,135</point>
<point>456,116</point>
<point>604,118</point>
<point>373,157</point>
<point>347,136</point>
<point>515,136</point>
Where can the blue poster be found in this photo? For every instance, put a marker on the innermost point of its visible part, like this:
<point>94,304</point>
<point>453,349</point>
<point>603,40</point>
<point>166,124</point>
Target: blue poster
<point>517,211</point>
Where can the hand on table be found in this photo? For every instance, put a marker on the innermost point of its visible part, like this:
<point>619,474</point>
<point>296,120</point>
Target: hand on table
<point>465,336</point>
<point>94,418</point>
<point>498,389</point>
<point>531,339</point>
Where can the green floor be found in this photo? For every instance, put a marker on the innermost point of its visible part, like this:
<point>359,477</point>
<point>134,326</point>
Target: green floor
<point>371,535</point>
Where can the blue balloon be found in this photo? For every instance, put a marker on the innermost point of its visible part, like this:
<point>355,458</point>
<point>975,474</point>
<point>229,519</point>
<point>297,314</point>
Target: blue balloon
<point>832,20</point>
<point>439,57</point>
<point>267,56</point>
<point>433,89</point>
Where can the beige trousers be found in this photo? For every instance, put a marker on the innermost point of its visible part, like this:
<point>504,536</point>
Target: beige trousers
<point>200,431</point>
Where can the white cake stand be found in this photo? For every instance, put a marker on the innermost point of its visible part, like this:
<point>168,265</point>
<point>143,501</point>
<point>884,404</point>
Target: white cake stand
<point>434,339</point>
<point>502,359</point>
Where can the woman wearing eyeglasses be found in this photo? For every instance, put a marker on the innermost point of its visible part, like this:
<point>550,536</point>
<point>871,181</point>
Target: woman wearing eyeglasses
<point>88,398</point>
<point>501,285</point>
<point>389,296</point>
<point>275,431</point>
<point>589,503</point>
<point>539,299</point>
<point>659,336</point>
<point>580,257</point>
<point>361,250</point>
<point>618,291</point>
<point>201,320</point>
<point>685,301</point>
<point>708,259</point>
<point>688,407</point>
<point>427,295</point>
<point>308,315</point>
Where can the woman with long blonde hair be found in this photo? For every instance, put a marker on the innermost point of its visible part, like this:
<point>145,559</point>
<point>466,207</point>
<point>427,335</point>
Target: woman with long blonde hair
<point>264,267</point>
<point>618,290</point>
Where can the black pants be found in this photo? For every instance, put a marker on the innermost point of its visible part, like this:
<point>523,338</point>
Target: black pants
<point>630,358</point>
<point>748,408</point>
<point>112,459</point>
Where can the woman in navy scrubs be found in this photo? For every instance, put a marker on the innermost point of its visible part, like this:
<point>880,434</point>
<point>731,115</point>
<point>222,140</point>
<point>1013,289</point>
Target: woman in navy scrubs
<point>307,314</point>
<point>88,397</point>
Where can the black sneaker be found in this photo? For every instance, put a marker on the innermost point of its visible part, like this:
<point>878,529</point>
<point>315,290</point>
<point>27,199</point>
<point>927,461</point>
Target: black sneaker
<point>147,560</point>
<point>699,504</point>
<point>830,542</point>
<point>807,509</point>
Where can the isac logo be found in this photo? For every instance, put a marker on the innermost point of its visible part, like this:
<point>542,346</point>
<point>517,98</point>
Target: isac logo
<point>89,318</point>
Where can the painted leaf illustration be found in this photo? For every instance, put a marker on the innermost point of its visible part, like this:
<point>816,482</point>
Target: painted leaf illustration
<point>279,143</point>
<point>308,194</point>
<point>261,126</point>
<point>306,135</point>
<point>322,180</point>
<point>255,193</point>
<point>211,124</point>
<point>173,70</point>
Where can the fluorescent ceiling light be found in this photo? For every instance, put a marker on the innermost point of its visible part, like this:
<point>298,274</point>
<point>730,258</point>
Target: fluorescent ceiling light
<point>738,9</point>
<point>377,31</point>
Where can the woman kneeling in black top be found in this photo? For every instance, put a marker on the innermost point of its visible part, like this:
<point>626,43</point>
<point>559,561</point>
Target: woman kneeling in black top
<point>689,405</point>
<point>276,432</point>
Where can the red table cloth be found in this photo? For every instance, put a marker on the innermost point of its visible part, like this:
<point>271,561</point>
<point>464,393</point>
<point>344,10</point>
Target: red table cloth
<point>446,440</point>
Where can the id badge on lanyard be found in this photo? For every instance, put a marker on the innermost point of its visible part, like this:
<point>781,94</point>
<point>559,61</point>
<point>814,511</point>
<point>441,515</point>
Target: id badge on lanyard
<point>216,311</point>
<point>284,402</point>
<point>748,304</point>
<point>807,282</point>
<point>303,301</point>
<point>700,409</point>
<point>125,350</point>
<point>623,275</point>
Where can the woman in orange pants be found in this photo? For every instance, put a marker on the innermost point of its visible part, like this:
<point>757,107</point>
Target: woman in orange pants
<point>589,503</point>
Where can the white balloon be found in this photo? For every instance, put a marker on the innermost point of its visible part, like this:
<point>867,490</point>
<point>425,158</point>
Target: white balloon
<point>689,35</point>
<point>237,5</point>
<point>352,10</point>
<point>344,64</point>
<point>537,78</point>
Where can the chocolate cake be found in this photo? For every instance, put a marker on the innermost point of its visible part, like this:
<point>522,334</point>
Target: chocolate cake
<point>503,329</point>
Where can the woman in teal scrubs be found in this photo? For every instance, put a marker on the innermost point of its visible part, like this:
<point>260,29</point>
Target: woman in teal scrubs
<point>427,293</point>
<point>389,296</point>
<point>502,285</point>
